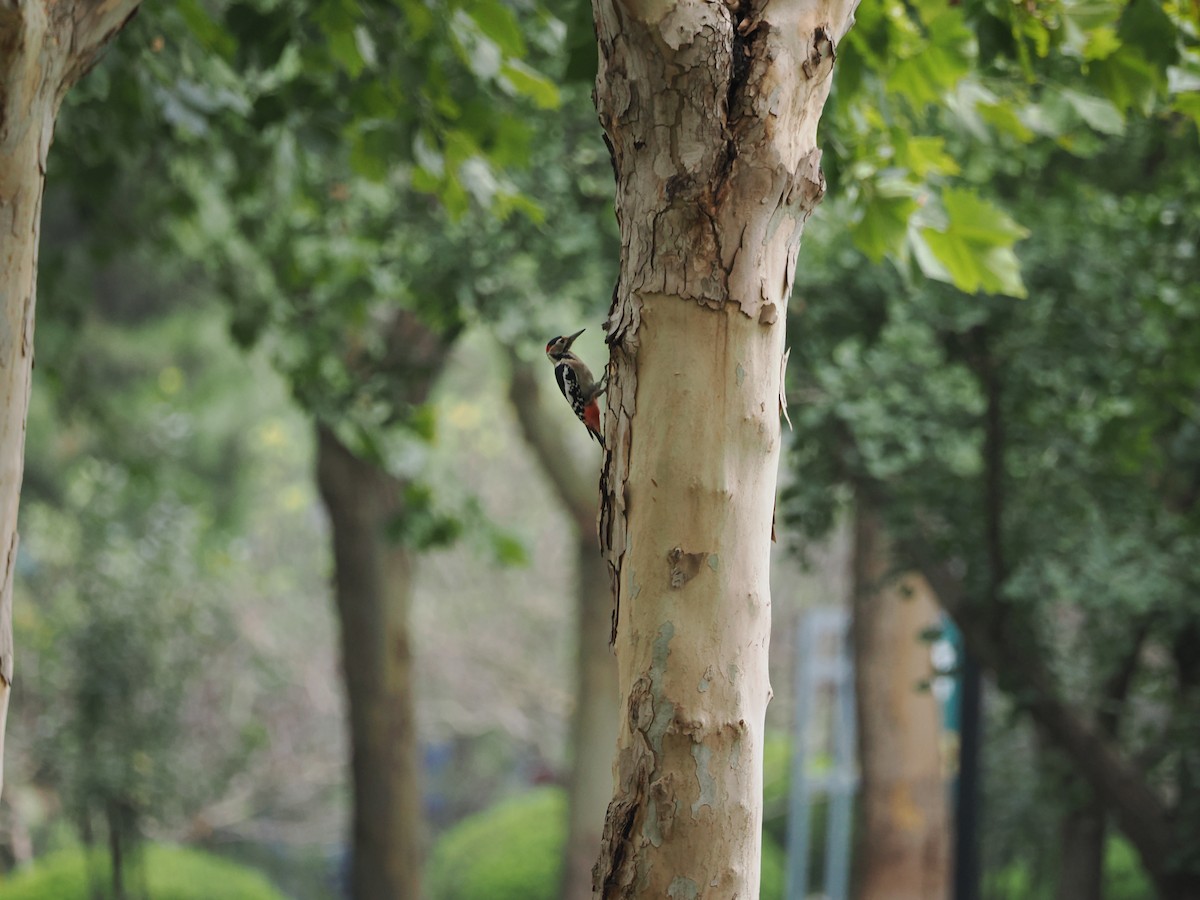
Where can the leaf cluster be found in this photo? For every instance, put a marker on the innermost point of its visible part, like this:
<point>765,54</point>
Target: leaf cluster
<point>933,100</point>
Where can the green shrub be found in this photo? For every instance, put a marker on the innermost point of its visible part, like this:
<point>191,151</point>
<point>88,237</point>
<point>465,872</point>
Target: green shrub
<point>509,852</point>
<point>513,851</point>
<point>169,873</point>
<point>1124,878</point>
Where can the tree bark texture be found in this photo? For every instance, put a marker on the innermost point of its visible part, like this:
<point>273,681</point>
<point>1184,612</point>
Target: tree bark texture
<point>904,847</point>
<point>44,48</point>
<point>710,111</point>
<point>594,719</point>
<point>373,576</point>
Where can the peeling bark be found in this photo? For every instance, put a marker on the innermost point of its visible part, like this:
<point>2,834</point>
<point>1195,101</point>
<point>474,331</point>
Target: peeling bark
<point>44,48</point>
<point>710,111</point>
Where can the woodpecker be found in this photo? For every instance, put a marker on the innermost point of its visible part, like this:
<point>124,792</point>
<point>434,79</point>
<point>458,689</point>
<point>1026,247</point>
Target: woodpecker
<point>576,383</point>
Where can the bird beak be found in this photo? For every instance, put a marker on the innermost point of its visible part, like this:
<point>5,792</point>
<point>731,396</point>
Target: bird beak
<point>568,341</point>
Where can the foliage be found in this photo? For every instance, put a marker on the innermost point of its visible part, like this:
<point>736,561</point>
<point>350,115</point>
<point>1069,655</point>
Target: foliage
<point>1087,470</point>
<point>305,161</point>
<point>121,552</point>
<point>513,851</point>
<point>922,86</point>
<point>219,147</point>
<point>170,873</point>
<point>326,178</point>
<point>145,454</point>
<point>1123,879</point>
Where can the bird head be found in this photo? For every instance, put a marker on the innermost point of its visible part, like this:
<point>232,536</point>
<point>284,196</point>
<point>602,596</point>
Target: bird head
<point>561,346</point>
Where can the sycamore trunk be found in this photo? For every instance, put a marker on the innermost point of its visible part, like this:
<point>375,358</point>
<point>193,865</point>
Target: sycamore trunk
<point>44,48</point>
<point>904,842</point>
<point>711,112</point>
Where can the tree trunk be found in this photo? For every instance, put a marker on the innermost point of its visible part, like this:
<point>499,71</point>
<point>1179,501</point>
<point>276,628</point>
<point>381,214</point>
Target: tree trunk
<point>594,720</point>
<point>711,113</point>
<point>593,723</point>
<point>373,585</point>
<point>44,48</point>
<point>1081,867</point>
<point>904,847</point>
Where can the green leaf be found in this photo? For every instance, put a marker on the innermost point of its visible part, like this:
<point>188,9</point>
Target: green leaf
<point>1089,28</point>
<point>971,268</point>
<point>343,47</point>
<point>511,143</point>
<point>500,25</point>
<point>973,249</point>
<point>1004,118</point>
<point>933,56</point>
<point>422,421</point>
<point>418,17</point>
<point>883,226</point>
<point>1126,79</point>
<point>924,155</point>
<point>425,181</point>
<point>980,221</point>
<point>1188,105</point>
<point>205,28</point>
<point>1097,112</point>
<point>925,77</point>
<point>371,153</point>
<point>1146,26</point>
<point>504,204</point>
<point>582,55</point>
<point>526,82</point>
<point>1101,43</point>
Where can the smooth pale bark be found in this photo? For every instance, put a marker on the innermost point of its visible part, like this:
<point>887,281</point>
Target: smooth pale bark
<point>373,576</point>
<point>594,719</point>
<point>711,113</point>
<point>44,48</point>
<point>904,846</point>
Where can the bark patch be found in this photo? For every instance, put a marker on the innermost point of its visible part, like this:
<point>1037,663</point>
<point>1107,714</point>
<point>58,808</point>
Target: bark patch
<point>684,566</point>
<point>708,785</point>
<point>683,889</point>
<point>821,56</point>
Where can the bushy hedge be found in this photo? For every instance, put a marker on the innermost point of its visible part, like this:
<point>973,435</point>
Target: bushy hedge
<point>170,873</point>
<point>513,851</point>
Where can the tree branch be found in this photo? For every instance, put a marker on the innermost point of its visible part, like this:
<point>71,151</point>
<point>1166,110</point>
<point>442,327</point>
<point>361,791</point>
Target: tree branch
<point>96,22</point>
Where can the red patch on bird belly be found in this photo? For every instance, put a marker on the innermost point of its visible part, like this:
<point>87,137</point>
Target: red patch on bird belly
<point>591,417</point>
